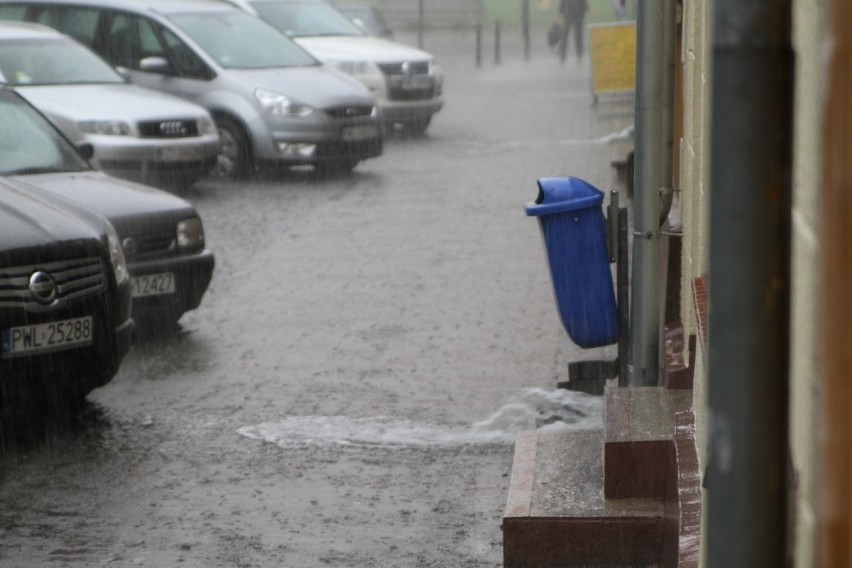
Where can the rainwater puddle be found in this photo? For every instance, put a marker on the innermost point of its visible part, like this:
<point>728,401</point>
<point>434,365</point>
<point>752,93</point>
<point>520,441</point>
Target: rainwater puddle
<point>532,409</point>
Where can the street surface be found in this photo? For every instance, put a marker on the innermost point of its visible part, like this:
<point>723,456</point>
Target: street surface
<point>348,392</point>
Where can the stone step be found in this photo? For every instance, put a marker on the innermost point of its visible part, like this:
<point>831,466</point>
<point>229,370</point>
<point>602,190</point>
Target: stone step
<point>556,514</point>
<point>639,450</point>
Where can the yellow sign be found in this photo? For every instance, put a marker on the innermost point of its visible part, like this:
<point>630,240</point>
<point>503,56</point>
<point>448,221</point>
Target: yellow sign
<point>613,48</point>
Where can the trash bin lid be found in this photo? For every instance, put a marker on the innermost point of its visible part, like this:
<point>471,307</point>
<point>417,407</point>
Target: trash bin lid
<point>561,194</point>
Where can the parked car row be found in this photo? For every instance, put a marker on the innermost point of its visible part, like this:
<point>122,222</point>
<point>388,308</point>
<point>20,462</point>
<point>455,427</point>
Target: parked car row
<point>286,82</point>
<point>159,91</point>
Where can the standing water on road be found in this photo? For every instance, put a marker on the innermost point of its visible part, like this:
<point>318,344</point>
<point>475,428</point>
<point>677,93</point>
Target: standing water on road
<point>532,409</point>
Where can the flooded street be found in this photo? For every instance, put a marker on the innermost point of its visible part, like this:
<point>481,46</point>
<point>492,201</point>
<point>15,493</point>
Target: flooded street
<point>348,392</point>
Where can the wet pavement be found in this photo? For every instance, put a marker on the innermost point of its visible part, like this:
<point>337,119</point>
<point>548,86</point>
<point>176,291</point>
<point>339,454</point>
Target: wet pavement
<point>348,392</point>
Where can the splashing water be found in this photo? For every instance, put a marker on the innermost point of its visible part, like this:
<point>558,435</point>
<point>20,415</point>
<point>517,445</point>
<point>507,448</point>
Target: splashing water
<point>532,409</point>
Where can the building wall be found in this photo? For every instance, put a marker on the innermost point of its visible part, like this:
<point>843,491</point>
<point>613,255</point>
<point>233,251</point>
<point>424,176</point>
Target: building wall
<point>809,33</point>
<point>695,177</point>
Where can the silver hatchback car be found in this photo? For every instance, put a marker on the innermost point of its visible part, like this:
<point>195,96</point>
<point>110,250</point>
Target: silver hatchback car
<point>137,133</point>
<point>273,103</point>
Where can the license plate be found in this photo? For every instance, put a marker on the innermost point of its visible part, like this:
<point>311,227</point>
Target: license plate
<point>417,82</point>
<point>362,132</point>
<point>175,153</point>
<point>152,284</point>
<point>28,339</point>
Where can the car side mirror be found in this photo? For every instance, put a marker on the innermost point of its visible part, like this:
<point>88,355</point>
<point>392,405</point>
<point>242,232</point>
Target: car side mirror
<point>86,150</point>
<point>154,65</point>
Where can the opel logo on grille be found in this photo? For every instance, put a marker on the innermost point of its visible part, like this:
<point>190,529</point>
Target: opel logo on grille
<point>43,288</point>
<point>129,246</point>
<point>173,128</point>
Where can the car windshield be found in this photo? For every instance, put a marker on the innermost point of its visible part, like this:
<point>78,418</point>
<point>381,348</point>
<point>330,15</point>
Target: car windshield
<point>52,62</point>
<point>239,40</point>
<point>306,19</point>
<point>30,144</point>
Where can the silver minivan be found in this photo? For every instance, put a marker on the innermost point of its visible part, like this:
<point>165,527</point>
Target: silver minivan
<point>272,101</point>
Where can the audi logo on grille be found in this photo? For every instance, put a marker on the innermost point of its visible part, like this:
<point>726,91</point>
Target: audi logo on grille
<point>173,128</point>
<point>43,287</point>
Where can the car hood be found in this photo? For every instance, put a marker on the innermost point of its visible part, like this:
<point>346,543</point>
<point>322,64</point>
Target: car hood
<point>360,48</point>
<point>30,220</point>
<point>318,86</point>
<point>133,209</point>
<point>120,101</point>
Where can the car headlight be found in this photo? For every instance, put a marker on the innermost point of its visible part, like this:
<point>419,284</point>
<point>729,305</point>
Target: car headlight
<point>108,127</point>
<point>206,126</point>
<point>190,234</point>
<point>277,104</point>
<point>357,67</point>
<point>116,256</point>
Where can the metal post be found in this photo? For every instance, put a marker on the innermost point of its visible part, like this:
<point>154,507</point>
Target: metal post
<point>420,24</point>
<point>654,106</point>
<point>749,283</point>
<point>479,45</point>
<point>525,22</point>
<point>497,43</point>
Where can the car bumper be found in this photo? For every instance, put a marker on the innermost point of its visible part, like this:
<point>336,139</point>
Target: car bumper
<point>320,141</point>
<point>144,159</point>
<point>406,111</point>
<point>192,275</point>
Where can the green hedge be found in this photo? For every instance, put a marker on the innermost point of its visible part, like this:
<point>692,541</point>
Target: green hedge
<point>544,11</point>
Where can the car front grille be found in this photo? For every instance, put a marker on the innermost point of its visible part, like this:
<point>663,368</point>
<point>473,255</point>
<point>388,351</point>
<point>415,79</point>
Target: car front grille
<point>409,81</point>
<point>149,246</point>
<point>74,279</point>
<point>168,129</point>
<point>350,111</point>
<point>405,68</point>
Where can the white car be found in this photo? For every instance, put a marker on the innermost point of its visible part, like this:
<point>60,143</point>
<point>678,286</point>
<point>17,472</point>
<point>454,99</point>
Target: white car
<point>136,133</point>
<point>406,81</point>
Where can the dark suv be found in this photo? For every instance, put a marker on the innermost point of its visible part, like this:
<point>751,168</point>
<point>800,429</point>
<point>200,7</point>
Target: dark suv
<point>64,302</point>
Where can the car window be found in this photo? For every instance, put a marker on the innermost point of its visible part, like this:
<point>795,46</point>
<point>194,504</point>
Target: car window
<point>306,19</point>
<point>30,144</point>
<point>56,62</point>
<point>239,40</point>
<point>185,60</point>
<point>77,21</point>
<point>16,12</point>
<point>130,39</point>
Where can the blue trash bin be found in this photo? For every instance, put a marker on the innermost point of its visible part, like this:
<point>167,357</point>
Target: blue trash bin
<point>572,223</point>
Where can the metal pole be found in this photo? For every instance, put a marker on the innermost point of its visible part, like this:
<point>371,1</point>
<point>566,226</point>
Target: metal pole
<point>479,45</point>
<point>654,94</point>
<point>750,209</point>
<point>497,43</point>
<point>420,24</point>
<point>525,20</point>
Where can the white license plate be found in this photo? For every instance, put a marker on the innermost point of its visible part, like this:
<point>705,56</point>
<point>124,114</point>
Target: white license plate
<point>361,132</point>
<point>417,82</point>
<point>152,284</point>
<point>27,339</point>
<point>175,153</point>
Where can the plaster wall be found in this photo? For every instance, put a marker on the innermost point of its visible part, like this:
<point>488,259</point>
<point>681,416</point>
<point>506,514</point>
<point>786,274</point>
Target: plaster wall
<point>809,33</point>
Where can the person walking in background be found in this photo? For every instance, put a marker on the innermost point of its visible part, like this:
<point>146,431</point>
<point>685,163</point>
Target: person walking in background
<point>620,7</point>
<point>573,19</point>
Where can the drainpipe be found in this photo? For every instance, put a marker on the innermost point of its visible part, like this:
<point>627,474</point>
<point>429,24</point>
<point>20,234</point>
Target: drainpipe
<point>655,47</point>
<point>749,283</point>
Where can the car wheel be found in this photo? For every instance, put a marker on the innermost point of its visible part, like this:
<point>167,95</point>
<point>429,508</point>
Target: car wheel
<point>417,126</point>
<point>234,152</point>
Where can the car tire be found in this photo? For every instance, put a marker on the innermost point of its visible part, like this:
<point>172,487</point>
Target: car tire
<point>418,126</point>
<point>235,160</point>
